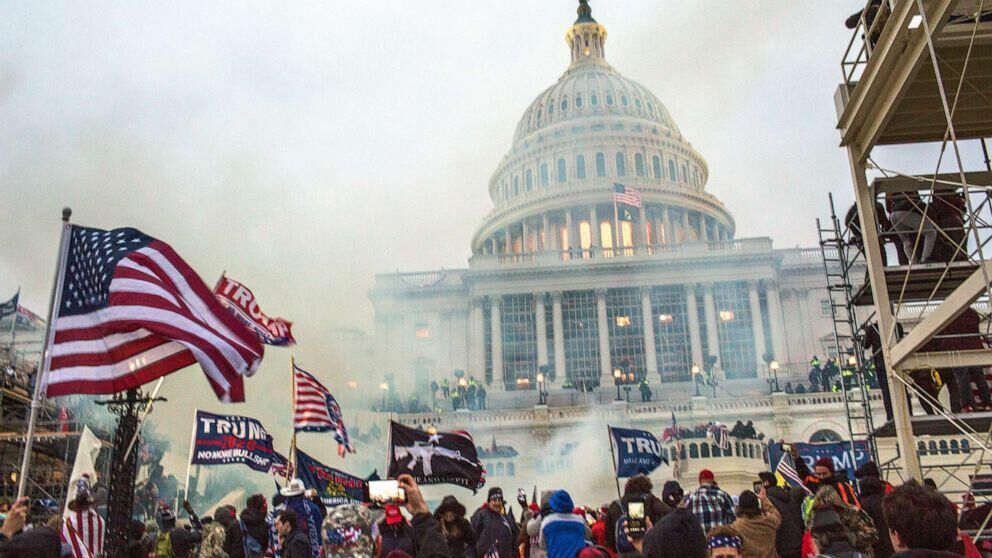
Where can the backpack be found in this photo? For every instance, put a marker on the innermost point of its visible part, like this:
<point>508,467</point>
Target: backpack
<point>253,548</point>
<point>163,546</point>
<point>623,541</point>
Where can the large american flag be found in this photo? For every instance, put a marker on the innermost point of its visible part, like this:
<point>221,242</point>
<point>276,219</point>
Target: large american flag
<point>626,195</point>
<point>83,531</point>
<point>130,310</point>
<point>316,410</point>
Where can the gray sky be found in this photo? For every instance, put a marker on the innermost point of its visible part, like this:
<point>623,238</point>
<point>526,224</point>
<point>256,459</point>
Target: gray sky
<point>306,147</point>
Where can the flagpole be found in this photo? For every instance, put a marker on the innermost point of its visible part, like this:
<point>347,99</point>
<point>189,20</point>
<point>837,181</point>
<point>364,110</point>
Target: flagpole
<point>389,442</point>
<point>13,321</point>
<point>292,440</point>
<point>189,462</point>
<point>141,421</point>
<point>616,223</point>
<point>46,357</point>
<point>609,434</point>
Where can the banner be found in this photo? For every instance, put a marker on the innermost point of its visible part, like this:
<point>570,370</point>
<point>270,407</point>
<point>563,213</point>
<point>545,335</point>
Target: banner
<point>638,452</point>
<point>334,487</point>
<point>241,302</point>
<point>840,452</point>
<point>434,458</point>
<point>225,439</point>
<point>10,306</point>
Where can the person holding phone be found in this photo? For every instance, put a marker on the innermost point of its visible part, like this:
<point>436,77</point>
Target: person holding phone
<point>757,523</point>
<point>427,533</point>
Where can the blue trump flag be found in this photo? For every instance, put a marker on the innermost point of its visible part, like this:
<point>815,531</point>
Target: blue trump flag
<point>225,439</point>
<point>638,452</point>
<point>840,452</point>
<point>333,486</point>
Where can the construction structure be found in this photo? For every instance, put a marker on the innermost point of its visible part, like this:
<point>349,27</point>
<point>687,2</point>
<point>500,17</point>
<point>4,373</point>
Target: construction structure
<point>918,72</point>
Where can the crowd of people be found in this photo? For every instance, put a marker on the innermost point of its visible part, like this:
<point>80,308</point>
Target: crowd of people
<point>824,517</point>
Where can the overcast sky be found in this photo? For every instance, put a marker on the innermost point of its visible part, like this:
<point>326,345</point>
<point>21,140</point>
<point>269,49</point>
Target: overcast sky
<point>304,147</point>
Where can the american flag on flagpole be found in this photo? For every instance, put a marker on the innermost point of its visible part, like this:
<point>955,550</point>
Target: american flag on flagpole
<point>316,410</point>
<point>129,310</point>
<point>626,195</point>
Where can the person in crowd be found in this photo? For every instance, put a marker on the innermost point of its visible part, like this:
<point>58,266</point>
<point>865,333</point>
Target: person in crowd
<point>83,528</point>
<point>495,528</point>
<point>872,345</point>
<point>922,522</point>
<point>757,522</point>
<point>638,488</point>
<point>40,542</point>
<point>394,533</point>
<point>645,390</point>
<point>815,374</point>
<point>677,535</point>
<point>135,534</point>
<point>709,503</point>
<point>857,523</point>
<point>563,533</point>
<point>873,489</point>
<point>823,474</point>
<point>599,528</point>
<point>349,532</point>
<point>295,543</point>
<point>309,515</point>
<point>534,525</point>
<point>724,542</point>
<point>481,396</point>
<point>829,536</point>
<point>738,430</point>
<point>14,519</point>
<point>175,541</point>
<point>214,533</point>
<point>789,503</point>
<point>962,334</point>
<point>672,494</point>
<point>255,532</point>
<point>523,540</point>
<point>456,529</point>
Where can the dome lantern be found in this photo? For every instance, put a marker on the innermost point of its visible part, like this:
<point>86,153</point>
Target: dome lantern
<point>586,38</point>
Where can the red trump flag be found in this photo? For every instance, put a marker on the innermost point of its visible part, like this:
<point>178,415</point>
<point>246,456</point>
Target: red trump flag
<point>241,302</point>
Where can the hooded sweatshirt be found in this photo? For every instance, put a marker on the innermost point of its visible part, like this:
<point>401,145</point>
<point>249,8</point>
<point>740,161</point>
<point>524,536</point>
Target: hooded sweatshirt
<point>563,533</point>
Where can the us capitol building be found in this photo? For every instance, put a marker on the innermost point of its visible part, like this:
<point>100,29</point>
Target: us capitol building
<point>564,288</point>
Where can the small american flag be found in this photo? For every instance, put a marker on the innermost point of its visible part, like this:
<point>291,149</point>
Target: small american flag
<point>626,195</point>
<point>786,468</point>
<point>316,410</point>
<point>677,449</point>
<point>130,310</point>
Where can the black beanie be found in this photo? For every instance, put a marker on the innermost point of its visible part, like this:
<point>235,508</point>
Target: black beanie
<point>495,492</point>
<point>677,535</point>
<point>748,501</point>
<point>672,491</point>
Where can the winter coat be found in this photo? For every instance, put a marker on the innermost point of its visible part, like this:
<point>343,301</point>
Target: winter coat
<point>860,528</point>
<point>872,492</point>
<point>396,537</point>
<point>925,553</point>
<point>296,545</point>
<point>654,508</point>
<point>759,531</point>
<point>460,537</point>
<point>183,541</point>
<point>428,538</point>
<point>213,541</point>
<point>496,532</point>
<point>234,541</point>
<point>534,534</point>
<point>789,503</point>
<point>255,526</point>
<point>563,534</point>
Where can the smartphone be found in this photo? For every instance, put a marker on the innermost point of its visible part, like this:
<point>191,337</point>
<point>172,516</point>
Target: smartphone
<point>757,487</point>
<point>786,447</point>
<point>382,492</point>
<point>636,524</point>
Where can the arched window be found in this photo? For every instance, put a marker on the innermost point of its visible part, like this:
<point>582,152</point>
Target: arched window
<point>750,451</point>
<point>561,170</point>
<point>943,447</point>
<point>716,451</point>
<point>529,180</point>
<point>932,446</point>
<point>580,167</point>
<point>954,447</point>
<point>551,107</point>
<point>672,173</point>
<point>511,471</point>
<point>500,469</point>
<point>704,450</point>
<point>623,100</point>
<point>606,234</point>
<point>585,235</point>
<point>544,174</point>
<point>600,165</point>
<point>621,164</point>
<point>637,103</point>
<point>593,99</point>
<point>656,166</point>
<point>537,117</point>
<point>693,451</point>
<point>921,448</point>
<point>825,435</point>
<point>639,164</point>
<point>965,446</point>
<point>609,100</point>
<point>578,101</point>
<point>516,185</point>
<point>685,173</point>
<point>564,104</point>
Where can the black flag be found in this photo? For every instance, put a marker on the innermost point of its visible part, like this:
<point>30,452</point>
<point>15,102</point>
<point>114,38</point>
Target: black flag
<point>10,306</point>
<point>434,458</point>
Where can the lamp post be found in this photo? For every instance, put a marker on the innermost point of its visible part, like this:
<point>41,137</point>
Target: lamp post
<point>540,388</point>
<point>773,366</point>
<point>628,382</point>
<point>617,374</point>
<point>695,377</point>
<point>384,387</point>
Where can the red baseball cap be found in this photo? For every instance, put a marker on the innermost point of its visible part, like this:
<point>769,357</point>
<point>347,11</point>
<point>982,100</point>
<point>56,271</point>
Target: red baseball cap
<point>706,475</point>
<point>393,515</point>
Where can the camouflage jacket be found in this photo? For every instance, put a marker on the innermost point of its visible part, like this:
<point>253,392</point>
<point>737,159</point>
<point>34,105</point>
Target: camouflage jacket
<point>213,541</point>
<point>349,532</point>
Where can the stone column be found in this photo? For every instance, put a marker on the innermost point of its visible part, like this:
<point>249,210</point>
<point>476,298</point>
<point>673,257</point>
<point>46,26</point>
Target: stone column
<point>756,322</point>
<point>775,320</point>
<point>496,321</point>
<point>669,226</point>
<point>685,224</point>
<point>541,329</point>
<point>643,216</point>
<point>508,238</point>
<point>546,227</point>
<point>478,327</point>
<point>568,227</point>
<point>559,337</point>
<point>525,238</point>
<point>659,224</point>
<point>694,337</point>
<point>647,318</point>
<point>594,228</point>
<point>605,370</point>
<point>712,333</point>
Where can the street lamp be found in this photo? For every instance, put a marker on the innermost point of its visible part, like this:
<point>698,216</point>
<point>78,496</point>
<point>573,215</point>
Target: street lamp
<point>384,387</point>
<point>695,377</point>
<point>540,388</point>
<point>617,374</point>
<point>773,366</point>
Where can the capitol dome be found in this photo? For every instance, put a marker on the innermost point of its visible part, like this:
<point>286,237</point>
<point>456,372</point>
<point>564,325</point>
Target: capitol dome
<point>591,133</point>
